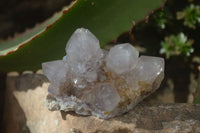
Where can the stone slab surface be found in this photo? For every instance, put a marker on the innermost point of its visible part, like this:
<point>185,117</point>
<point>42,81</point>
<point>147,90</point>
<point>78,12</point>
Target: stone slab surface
<point>25,111</point>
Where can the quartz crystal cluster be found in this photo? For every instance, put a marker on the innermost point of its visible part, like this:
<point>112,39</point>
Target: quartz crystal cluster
<point>93,81</point>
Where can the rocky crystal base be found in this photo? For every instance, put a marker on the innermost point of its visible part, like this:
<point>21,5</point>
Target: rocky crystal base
<point>92,81</point>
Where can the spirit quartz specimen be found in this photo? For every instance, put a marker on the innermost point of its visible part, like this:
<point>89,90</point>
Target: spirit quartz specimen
<point>92,81</point>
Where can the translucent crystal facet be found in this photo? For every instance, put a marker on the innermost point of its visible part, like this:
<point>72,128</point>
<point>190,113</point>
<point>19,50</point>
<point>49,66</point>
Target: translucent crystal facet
<point>84,55</point>
<point>122,58</point>
<point>104,97</point>
<point>56,71</point>
<point>58,74</point>
<point>149,68</point>
<point>93,81</point>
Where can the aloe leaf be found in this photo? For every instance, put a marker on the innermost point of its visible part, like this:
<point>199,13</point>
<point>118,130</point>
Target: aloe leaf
<point>12,45</point>
<point>107,19</point>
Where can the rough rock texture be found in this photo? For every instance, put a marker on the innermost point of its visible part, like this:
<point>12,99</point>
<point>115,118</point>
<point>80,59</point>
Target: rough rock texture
<point>25,112</point>
<point>92,81</point>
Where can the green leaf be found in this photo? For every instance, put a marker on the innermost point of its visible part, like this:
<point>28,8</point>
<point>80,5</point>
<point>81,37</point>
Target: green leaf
<point>107,19</point>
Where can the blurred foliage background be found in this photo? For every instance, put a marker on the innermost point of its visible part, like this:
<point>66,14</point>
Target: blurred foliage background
<point>173,33</point>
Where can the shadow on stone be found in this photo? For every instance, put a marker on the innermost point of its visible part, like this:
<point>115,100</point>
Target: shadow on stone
<point>2,98</point>
<point>152,117</point>
<point>29,81</point>
<point>14,117</point>
<point>64,114</point>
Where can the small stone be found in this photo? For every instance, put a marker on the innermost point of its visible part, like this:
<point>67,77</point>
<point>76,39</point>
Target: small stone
<point>92,81</point>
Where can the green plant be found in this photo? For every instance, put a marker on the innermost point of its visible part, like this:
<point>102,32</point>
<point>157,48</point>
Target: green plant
<point>161,18</point>
<point>175,45</point>
<point>107,19</point>
<point>191,16</point>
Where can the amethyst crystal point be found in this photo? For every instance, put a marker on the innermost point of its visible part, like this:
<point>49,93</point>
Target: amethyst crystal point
<point>122,58</point>
<point>92,81</point>
<point>84,56</point>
